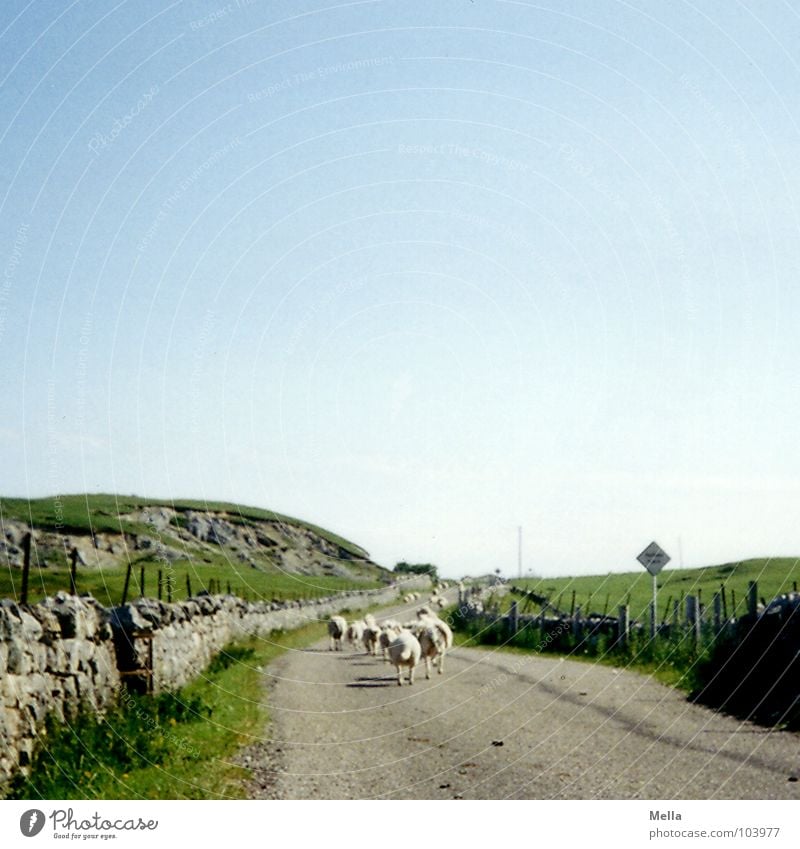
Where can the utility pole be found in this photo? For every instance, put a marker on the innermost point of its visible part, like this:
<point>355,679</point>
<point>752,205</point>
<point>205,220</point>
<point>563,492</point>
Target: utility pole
<point>519,551</point>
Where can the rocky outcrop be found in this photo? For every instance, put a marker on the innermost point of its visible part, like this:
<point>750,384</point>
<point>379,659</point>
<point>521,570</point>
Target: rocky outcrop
<point>168,534</point>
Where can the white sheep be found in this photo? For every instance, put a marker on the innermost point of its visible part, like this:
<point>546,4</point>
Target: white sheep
<point>370,638</point>
<point>427,617</point>
<point>388,633</point>
<point>336,631</point>
<point>355,632</point>
<point>404,650</point>
<point>433,645</point>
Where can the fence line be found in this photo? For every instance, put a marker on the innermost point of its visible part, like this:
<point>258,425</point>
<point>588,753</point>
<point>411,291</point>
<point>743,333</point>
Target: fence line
<point>698,623</point>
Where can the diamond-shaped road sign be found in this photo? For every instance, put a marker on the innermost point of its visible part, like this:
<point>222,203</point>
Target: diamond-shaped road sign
<point>654,558</point>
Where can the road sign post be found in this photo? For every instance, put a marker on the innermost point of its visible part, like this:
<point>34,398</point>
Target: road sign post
<point>654,559</point>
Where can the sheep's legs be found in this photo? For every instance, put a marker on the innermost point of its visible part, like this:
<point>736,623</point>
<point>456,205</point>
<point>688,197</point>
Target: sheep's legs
<point>410,675</point>
<point>441,663</point>
<point>399,675</point>
<point>428,668</point>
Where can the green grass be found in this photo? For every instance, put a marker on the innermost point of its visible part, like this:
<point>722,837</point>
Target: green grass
<point>775,575</point>
<point>172,746</point>
<point>106,585</point>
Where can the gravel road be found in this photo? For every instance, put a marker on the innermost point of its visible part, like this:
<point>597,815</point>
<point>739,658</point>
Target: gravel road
<point>503,726</point>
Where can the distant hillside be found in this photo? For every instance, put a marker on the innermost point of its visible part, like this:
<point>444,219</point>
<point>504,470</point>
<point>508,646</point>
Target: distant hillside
<point>599,593</point>
<point>248,546</point>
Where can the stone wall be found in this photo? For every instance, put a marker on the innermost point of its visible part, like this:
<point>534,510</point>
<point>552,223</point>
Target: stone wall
<point>53,656</point>
<point>183,637</point>
<point>68,651</point>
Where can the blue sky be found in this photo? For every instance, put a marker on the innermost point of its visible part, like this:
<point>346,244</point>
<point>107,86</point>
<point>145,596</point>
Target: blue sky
<point>417,272</point>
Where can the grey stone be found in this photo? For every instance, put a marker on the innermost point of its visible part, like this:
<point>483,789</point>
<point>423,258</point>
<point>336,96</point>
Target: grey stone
<point>19,662</point>
<point>127,618</point>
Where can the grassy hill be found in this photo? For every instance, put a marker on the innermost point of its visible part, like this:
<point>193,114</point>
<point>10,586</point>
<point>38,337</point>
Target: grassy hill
<point>258,552</point>
<point>775,575</point>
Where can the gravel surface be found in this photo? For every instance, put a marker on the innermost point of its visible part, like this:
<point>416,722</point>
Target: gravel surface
<point>498,725</point>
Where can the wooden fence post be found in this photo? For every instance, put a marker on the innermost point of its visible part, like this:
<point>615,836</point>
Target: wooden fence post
<point>724,602</point>
<point>513,618</point>
<point>169,588</point>
<point>188,586</point>
<point>73,571</point>
<point>229,587</point>
<point>693,616</point>
<point>572,606</point>
<point>141,582</point>
<point>717,613</point>
<point>160,585</point>
<point>623,625</point>
<point>752,598</point>
<point>127,583</point>
<point>577,623</point>
<point>676,613</point>
<point>26,567</point>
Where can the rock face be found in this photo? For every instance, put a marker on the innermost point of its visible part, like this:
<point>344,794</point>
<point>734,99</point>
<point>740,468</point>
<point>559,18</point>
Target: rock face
<point>169,534</point>
<point>68,651</point>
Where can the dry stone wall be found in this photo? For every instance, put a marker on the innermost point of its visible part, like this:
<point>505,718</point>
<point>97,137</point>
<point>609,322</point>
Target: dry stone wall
<point>67,652</point>
<point>54,656</point>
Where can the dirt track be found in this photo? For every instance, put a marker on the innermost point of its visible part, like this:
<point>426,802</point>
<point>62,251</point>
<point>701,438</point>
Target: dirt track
<point>503,726</point>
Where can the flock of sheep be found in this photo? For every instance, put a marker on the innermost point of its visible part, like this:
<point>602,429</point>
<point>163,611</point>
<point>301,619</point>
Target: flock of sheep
<point>404,645</point>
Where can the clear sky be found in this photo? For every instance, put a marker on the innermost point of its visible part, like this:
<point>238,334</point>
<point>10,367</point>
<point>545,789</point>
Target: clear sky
<point>420,272</point>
